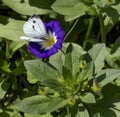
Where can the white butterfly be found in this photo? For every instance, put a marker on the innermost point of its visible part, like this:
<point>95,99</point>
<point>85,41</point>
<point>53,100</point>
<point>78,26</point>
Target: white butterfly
<point>35,30</point>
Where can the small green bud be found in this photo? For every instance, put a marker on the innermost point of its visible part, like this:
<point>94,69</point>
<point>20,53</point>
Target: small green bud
<point>83,64</point>
<point>42,91</point>
<point>61,79</point>
<point>71,101</point>
<point>96,87</point>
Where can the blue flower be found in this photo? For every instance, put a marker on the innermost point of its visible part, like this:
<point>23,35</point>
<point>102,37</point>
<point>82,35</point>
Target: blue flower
<point>48,41</point>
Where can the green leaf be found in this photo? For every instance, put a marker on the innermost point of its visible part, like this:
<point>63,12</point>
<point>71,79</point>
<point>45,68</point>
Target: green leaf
<point>67,75</point>
<point>2,90</point>
<point>108,108</point>
<point>57,60</point>
<point>115,47</point>
<point>117,7</point>
<point>88,98</point>
<point>40,104</point>
<point>73,10</point>
<point>53,84</point>
<point>62,6</point>
<point>41,70</point>
<point>30,7</point>
<point>45,115</point>
<point>11,29</point>
<point>100,3</point>
<point>72,58</point>
<point>15,45</point>
<point>96,115</point>
<point>83,113</point>
<point>111,18</point>
<point>108,75</point>
<point>97,54</point>
<point>87,72</point>
<point>78,11</point>
<point>31,78</point>
<point>19,70</point>
<point>111,58</point>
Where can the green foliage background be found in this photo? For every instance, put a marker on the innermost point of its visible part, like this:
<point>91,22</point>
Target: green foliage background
<point>82,80</point>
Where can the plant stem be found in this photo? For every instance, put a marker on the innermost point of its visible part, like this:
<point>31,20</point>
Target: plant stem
<point>103,35</point>
<point>88,32</point>
<point>7,48</point>
<point>68,112</point>
<point>74,24</point>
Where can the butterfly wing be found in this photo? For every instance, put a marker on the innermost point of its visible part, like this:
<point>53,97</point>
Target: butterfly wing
<point>34,27</point>
<point>31,39</point>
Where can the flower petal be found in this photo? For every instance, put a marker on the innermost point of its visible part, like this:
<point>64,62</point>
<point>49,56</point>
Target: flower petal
<point>35,49</point>
<point>40,52</point>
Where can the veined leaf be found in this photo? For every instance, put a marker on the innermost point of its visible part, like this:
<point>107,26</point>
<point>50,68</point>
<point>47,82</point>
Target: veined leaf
<point>40,70</point>
<point>40,104</point>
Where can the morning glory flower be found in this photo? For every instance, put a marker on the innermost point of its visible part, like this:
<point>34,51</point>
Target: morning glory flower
<point>45,39</point>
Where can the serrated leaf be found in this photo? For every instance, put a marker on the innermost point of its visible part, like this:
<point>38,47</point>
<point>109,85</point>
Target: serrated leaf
<point>97,54</point>
<point>30,7</point>
<point>11,29</point>
<point>40,104</point>
<point>88,98</point>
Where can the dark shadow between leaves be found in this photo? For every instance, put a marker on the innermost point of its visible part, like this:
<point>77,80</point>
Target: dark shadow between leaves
<point>22,1</point>
<point>101,77</point>
<point>116,46</point>
<point>106,107</point>
<point>4,114</point>
<point>69,49</point>
<point>3,20</point>
<point>44,4</point>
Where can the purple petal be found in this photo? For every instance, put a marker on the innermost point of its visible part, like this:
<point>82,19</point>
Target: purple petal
<point>36,50</point>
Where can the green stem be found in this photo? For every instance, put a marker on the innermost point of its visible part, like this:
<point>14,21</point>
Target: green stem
<point>98,36</point>
<point>103,35</point>
<point>88,32</point>
<point>68,111</point>
<point>74,24</point>
<point>7,48</point>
